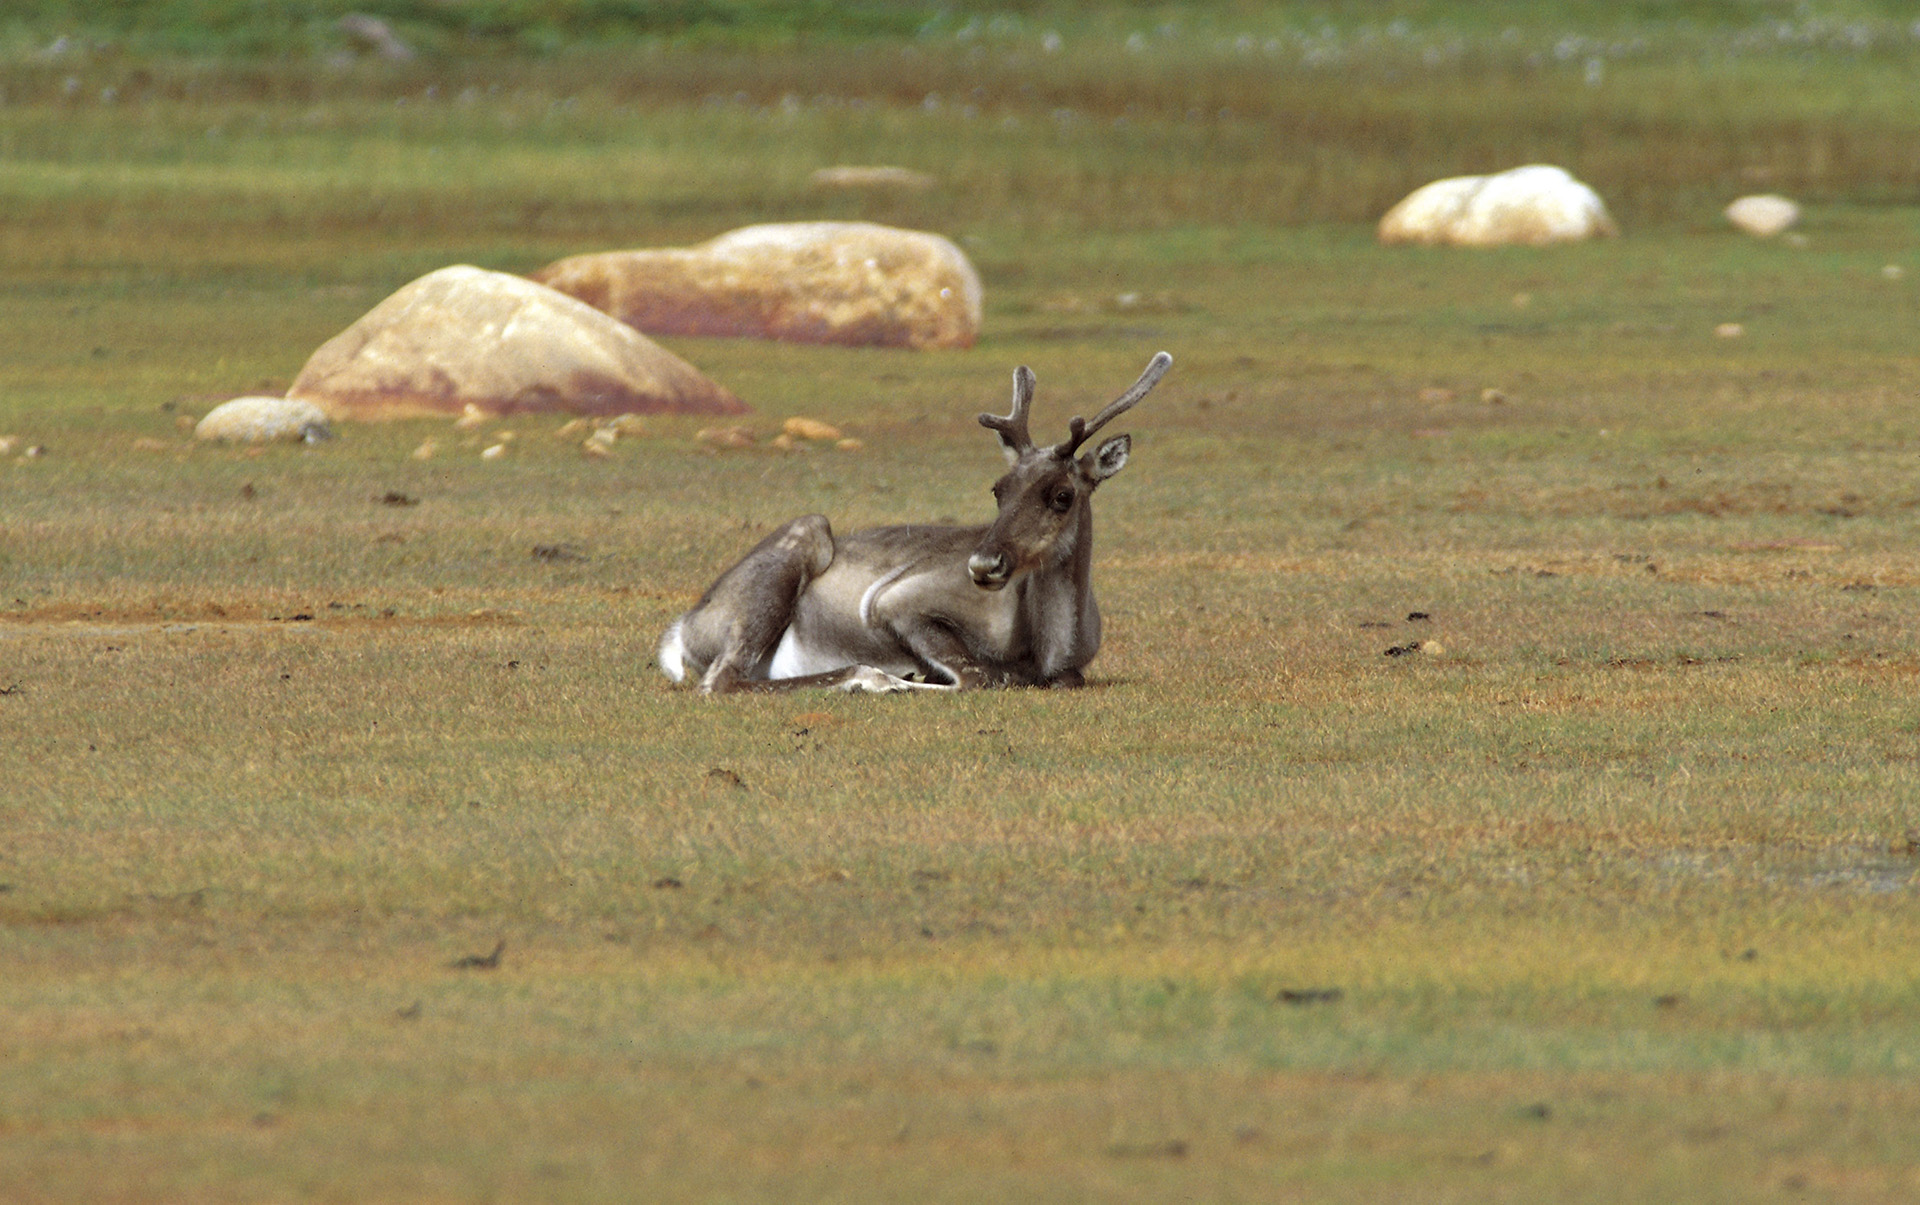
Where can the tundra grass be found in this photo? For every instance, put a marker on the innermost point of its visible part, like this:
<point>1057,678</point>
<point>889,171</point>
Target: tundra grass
<point>353,849</point>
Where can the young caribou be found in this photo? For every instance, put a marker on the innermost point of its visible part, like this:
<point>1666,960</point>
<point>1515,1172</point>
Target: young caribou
<point>922,608</point>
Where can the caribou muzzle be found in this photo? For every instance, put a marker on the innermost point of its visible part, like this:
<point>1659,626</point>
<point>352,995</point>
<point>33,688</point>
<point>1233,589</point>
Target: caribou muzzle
<point>990,572</point>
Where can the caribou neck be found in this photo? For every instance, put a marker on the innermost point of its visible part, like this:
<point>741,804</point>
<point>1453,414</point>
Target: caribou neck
<point>1063,619</point>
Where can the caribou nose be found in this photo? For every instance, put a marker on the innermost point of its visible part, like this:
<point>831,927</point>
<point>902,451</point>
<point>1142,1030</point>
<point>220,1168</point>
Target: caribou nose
<point>990,572</point>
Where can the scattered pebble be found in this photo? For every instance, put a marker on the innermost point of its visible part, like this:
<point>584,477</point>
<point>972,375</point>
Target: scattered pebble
<point>494,452</point>
<point>725,437</point>
<point>1493,397</point>
<point>872,177</point>
<point>8,443</point>
<point>810,428</point>
<point>1893,272</point>
<point>850,445</point>
<point>480,962</point>
<point>472,418</point>
<point>426,450</point>
<point>1430,648</point>
<point>1729,330</point>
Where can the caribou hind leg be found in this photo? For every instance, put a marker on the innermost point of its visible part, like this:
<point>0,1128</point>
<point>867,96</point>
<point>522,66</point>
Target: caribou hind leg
<point>731,633</point>
<point>734,628</point>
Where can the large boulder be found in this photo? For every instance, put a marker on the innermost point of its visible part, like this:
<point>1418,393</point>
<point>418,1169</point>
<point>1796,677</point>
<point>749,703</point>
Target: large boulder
<point>264,420</point>
<point>463,337</point>
<point>1530,206</point>
<point>851,283</point>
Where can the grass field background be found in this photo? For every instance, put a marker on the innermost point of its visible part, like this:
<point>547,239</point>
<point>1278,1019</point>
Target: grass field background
<point>1606,893</point>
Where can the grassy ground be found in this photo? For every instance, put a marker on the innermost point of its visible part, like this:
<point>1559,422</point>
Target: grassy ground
<point>1606,893</point>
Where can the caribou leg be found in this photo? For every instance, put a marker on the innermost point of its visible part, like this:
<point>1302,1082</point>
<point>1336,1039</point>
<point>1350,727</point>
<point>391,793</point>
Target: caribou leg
<point>733,630</point>
<point>851,679</point>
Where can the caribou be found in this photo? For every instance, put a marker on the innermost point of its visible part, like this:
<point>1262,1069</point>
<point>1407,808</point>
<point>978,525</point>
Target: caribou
<point>923,607</point>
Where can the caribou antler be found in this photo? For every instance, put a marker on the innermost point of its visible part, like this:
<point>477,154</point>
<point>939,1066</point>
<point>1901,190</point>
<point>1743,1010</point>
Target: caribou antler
<point>1080,430</point>
<point>1013,428</point>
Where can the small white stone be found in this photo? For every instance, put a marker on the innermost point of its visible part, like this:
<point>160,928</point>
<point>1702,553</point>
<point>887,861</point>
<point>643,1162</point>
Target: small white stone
<point>1763,215</point>
<point>872,177</point>
<point>264,420</point>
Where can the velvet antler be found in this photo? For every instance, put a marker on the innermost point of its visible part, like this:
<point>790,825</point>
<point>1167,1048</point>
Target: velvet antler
<point>1080,430</point>
<point>1012,429</point>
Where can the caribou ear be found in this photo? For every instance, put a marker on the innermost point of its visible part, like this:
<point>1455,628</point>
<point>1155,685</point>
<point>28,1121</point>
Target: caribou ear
<point>1109,458</point>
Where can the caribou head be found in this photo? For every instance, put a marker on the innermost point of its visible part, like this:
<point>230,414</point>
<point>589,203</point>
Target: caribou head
<point>1043,498</point>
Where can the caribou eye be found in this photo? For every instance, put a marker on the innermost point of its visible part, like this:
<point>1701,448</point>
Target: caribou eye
<point>1063,501</point>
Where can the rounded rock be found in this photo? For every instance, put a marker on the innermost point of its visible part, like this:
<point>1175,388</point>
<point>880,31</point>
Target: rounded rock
<point>257,420</point>
<point>1763,215</point>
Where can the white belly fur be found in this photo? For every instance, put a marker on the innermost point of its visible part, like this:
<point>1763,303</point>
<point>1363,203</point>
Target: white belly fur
<point>795,660</point>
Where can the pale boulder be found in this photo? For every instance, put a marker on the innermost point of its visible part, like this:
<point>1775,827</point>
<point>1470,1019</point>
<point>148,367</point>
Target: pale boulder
<point>257,420</point>
<point>1764,215</point>
<point>851,283</point>
<point>1529,206</point>
<point>465,340</point>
